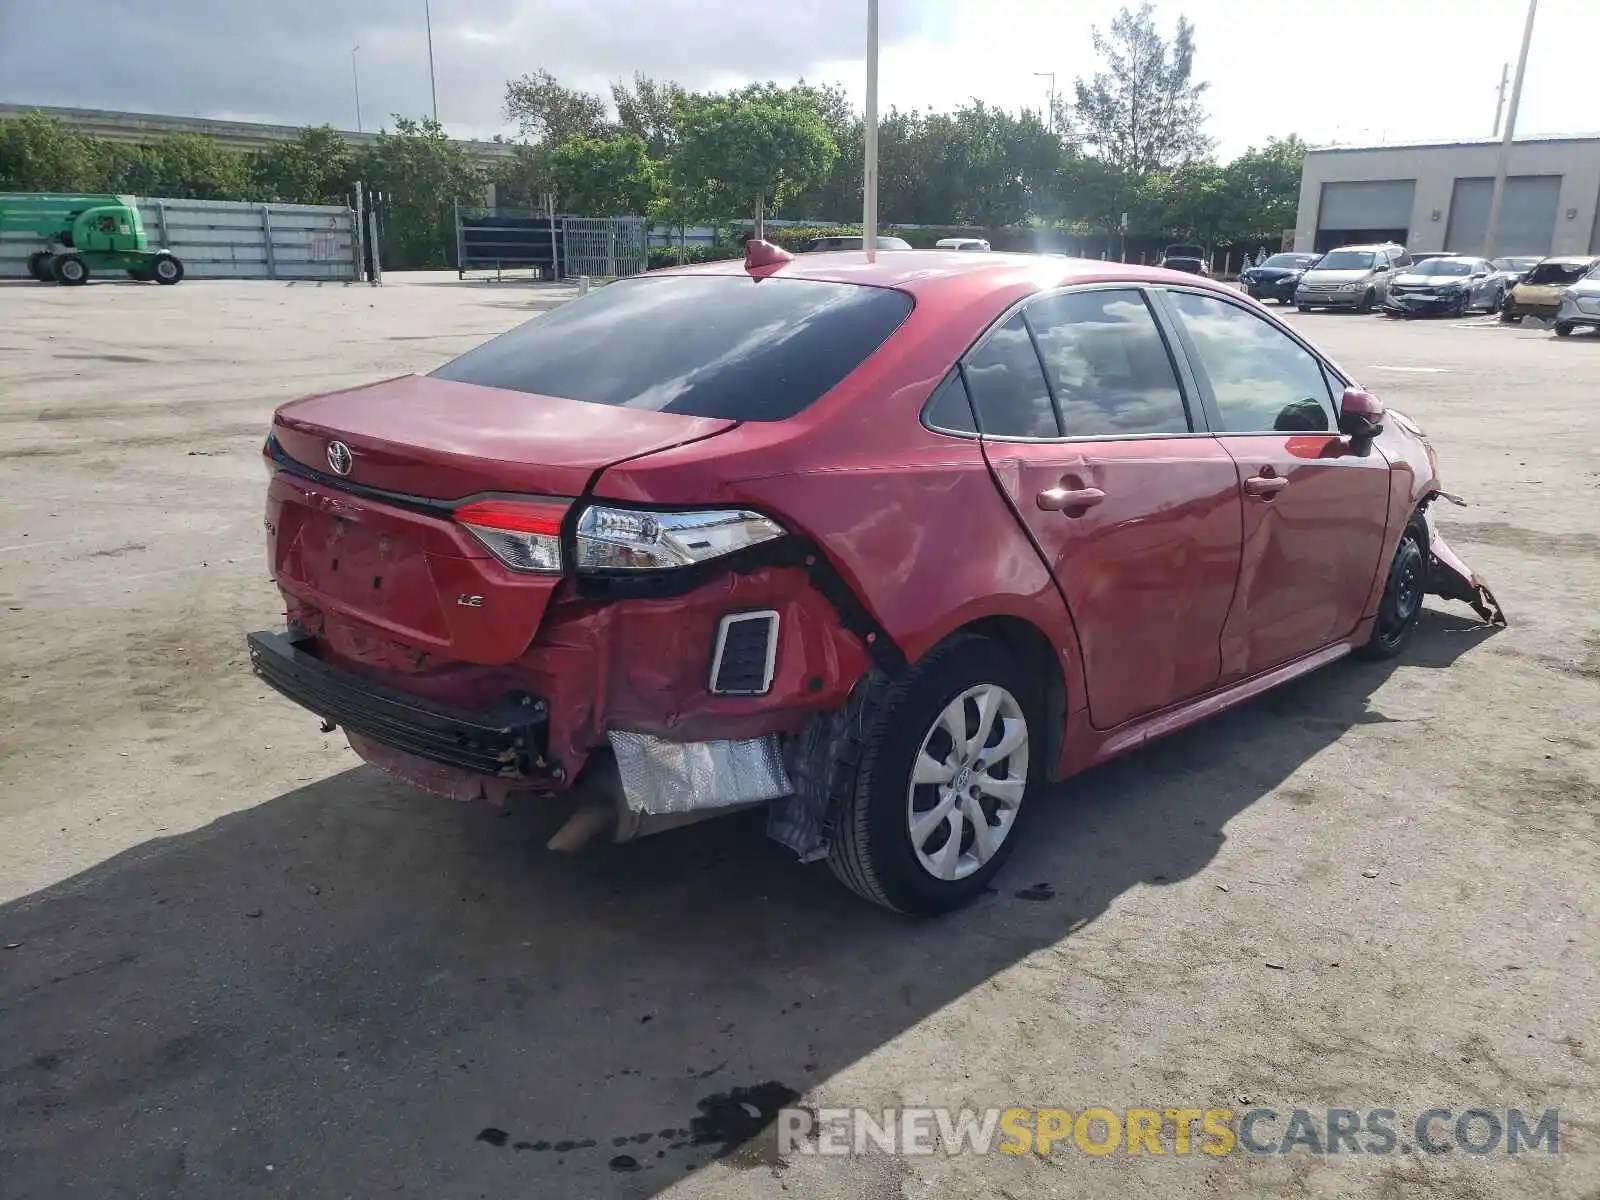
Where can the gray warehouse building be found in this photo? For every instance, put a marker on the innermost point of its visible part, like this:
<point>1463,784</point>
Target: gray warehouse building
<point>1436,197</point>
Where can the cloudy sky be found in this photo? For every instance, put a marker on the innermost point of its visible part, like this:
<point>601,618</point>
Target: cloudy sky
<point>1330,70</point>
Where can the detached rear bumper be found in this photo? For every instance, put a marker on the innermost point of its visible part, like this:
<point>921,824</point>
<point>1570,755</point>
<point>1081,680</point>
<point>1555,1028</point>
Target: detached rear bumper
<point>506,741</point>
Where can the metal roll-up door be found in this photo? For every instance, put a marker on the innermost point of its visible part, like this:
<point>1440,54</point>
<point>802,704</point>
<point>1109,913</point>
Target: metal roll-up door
<point>1527,215</point>
<point>1374,210</point>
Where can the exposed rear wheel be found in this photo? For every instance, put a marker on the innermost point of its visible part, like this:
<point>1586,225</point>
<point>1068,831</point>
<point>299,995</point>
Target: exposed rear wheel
<point>1563,329</point>
<point>928,810</point>
<point>1402,597</point>
<point>39,266</point>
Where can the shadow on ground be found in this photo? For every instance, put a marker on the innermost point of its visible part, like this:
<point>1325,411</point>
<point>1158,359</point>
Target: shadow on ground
<point>354,989</point>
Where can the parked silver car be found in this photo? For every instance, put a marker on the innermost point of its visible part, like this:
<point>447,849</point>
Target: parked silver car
<point>1508,272</point>
<point>1351,277</point>
<point>1451,286</point>
<point>1580,305</point>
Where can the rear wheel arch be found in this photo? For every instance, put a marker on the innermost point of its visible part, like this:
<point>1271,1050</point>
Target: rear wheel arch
<point>1033,650</point>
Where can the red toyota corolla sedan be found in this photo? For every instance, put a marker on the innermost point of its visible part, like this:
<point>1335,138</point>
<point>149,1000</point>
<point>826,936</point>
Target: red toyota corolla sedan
<point>883,546</point>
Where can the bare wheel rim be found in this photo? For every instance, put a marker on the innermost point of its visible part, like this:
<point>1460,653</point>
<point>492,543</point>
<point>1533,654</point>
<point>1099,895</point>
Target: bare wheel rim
<point>165,268</point>
<point>967,782</point>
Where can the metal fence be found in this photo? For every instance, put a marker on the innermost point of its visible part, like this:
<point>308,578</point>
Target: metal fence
<point>226,239</point>
<point>604,246</point>
<point>495,239</point>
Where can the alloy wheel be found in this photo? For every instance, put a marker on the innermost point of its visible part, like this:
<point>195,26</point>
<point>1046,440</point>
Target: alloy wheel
<point>967,782</point>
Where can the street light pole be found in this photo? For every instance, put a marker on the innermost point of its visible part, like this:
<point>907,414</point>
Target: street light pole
<point>433,87</point>
<point>1500,104</point>
<point>1051,76</point>
<point>1490,232</point>
<point>355,76</point>
<point>869,176</point>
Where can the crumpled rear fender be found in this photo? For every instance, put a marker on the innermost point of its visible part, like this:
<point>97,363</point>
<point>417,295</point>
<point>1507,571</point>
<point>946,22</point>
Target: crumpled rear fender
<point>1450,576</point>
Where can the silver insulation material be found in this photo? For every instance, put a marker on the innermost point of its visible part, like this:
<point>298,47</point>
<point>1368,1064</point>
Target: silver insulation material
<point>661,777</point>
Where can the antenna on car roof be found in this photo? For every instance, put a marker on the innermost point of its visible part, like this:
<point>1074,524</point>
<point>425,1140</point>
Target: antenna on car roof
<point>761,255</point>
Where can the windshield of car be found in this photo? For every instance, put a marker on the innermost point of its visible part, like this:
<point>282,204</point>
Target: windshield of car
<point>1549,272</point>
<point>1293,261</point>
<point>1346,260</point>
<point>1442,266</point>
<point>1514,264</point>
<point>1185,252</point>
<point>729,346</point>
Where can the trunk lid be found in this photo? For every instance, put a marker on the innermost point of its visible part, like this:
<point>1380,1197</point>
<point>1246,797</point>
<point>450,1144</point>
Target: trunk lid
<point>388,571</point>
<point>443,440</point>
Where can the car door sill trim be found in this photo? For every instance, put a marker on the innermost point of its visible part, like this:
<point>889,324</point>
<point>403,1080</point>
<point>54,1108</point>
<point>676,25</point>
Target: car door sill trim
<point>1169,720</point>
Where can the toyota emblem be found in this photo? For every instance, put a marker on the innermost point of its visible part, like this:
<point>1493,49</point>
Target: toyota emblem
<point>340,458</point>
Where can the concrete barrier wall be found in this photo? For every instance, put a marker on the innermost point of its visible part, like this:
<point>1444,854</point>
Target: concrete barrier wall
<point>226,239</point>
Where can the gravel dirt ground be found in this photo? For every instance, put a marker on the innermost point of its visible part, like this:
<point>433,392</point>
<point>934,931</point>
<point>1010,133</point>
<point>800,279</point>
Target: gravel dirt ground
<point>238,963</point>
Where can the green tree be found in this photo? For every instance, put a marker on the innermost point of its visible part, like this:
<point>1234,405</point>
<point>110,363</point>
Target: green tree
<point>1144,111</point>
<point>523,179</point>
<point>189,166</point>
<point>313,167</point>
<point>603,177</point>
<point>419,174</point>
<point>549,113</point>
<point>39,154</point>
<point>645,110</point>
<point>1265,188</point>
<point>752,149</point>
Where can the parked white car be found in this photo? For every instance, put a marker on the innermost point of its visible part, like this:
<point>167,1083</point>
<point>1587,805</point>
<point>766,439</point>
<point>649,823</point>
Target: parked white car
<point>1580,305</point>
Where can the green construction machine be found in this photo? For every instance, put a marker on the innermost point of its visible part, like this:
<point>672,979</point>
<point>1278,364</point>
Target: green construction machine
<point>84,234</point>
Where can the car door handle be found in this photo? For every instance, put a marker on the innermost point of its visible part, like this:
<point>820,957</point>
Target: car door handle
<point>1064,499</point>
<point>1265,486</point>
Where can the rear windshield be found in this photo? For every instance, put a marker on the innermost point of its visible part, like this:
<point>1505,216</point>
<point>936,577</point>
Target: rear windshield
<point>730,346</point>
<point>1549,272</point>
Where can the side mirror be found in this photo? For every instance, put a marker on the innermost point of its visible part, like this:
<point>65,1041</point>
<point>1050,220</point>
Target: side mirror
<point>1360,414</point>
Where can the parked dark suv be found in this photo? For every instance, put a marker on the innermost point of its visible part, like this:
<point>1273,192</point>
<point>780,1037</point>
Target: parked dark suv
<point>1190,259</point>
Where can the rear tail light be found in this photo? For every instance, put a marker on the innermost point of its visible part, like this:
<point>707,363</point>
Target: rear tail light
<point>619,539</point>
<point>523,534</point>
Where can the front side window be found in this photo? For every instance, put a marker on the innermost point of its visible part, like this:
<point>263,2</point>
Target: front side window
<point>1264,381</point>
<point>1007,385</point>
<point>730,346</point>
<point>1110,369</point>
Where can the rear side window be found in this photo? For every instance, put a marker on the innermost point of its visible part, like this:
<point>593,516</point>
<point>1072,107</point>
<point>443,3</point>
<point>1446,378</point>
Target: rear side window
<point>728,346</point>
<point>1007,385</point>
<point>949,409</point>
<point>1109,367</point>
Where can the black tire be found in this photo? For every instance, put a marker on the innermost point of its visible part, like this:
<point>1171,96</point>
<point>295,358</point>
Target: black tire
<point>1367,301</point>
<point>39,266</point>
<point>1563,329</point>
<point>1403,591</point>
<point>861,758</point>
<point>167,269</point>
<point>1305,308</point>
<point>1507,316</point>
<point>71,271</point>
